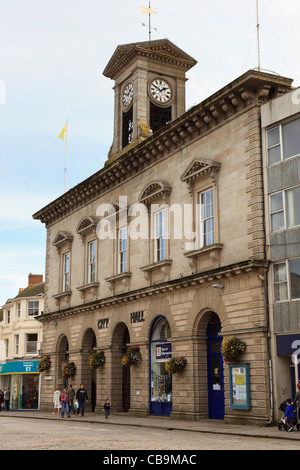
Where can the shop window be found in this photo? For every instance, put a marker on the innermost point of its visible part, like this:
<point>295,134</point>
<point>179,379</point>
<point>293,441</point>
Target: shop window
<point>161,381</point>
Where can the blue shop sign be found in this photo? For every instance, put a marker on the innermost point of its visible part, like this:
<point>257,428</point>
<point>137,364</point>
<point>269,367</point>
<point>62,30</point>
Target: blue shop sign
<point>163,351</point>
<point>19,367</point>
<point>287,345</point>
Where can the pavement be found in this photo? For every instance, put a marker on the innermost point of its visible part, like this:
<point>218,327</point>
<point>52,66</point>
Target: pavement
<point>201,426</point>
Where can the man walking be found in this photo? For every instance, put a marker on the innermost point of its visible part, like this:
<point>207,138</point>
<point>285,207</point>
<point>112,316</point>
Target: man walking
<point>81,397</point>
<point>71,393</point>
<point>6,398</point>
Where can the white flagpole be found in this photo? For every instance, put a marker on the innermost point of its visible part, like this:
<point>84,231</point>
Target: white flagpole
<point>66,155</point>
<point>149,21</point>
<point>258,41</point>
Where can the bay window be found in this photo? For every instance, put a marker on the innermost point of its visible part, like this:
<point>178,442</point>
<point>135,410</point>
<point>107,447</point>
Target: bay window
<point>287,280</point>
<point>283,141</point>
<point>285,209</point>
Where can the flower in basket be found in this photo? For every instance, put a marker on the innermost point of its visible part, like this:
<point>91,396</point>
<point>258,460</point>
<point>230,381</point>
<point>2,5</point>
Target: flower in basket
<point>231,349</point>
<point>68,369</point>
<point>175,364</point>
<point>97,359</point>
<point>44,364</point>
<point>132,356</point>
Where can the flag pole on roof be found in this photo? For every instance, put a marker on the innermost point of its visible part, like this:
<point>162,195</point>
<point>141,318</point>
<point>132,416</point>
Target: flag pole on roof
<point>149,12</point>
<point>63,135</point>
<point>258,40</point>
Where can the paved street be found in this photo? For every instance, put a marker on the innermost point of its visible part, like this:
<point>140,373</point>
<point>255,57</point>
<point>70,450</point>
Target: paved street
<point>78,434</point>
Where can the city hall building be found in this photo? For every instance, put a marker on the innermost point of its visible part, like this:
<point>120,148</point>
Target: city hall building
<point>163,249</point>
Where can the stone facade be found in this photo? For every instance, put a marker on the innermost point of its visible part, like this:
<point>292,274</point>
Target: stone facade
<point>281,180</point>
<point>215,147</point>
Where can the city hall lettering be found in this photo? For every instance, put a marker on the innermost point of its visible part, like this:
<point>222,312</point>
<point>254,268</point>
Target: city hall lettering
<point>103,323</point>
<point>136,317</point>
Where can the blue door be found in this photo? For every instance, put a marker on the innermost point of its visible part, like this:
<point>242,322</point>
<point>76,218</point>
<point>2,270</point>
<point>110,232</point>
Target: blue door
<point>215,375</point>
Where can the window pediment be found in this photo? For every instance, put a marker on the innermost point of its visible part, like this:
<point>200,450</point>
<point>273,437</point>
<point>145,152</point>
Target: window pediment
<point>154,190</point>
<point>199,168</point>
<point>62,239</point>
<point>87,225</point>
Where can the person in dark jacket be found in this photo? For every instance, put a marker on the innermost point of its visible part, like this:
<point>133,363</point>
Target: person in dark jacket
<point>106,408</point>
<point>81,397</point>
<point>1,399</point>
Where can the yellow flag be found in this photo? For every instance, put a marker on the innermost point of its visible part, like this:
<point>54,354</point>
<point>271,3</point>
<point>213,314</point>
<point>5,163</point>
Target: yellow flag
<point>63,132</point>
<point>146,10</point>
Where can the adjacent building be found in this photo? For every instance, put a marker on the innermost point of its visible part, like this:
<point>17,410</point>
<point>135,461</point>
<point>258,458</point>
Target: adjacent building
<point>163,249</point>
<point>21,337</point>
<point>281,163</point>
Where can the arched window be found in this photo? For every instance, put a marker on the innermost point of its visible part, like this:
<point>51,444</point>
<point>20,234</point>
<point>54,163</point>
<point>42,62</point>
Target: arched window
<point>160,380</point>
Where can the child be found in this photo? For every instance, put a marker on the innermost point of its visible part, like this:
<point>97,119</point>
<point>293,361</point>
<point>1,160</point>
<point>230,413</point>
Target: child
<point>106,408</point>
<point>289,415</point>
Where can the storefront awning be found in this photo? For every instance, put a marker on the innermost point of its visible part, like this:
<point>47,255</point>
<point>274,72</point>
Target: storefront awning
<point>19,367</point>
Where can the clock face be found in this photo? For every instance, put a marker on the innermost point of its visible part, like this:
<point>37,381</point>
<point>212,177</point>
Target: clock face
<point>127,95</point>
<point>160,90</point>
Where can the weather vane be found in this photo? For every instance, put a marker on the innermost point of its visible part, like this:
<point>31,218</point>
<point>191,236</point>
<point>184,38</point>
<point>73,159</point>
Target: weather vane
<point>148,11</point>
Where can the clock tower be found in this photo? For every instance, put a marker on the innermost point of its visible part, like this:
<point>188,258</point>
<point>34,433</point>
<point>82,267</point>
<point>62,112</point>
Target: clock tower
<point>149,90</point>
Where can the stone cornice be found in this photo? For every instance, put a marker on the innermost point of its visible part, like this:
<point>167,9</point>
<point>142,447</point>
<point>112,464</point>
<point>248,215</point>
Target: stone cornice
<point>198,279</point>
<point>161,50</point>
<point>251,89</point>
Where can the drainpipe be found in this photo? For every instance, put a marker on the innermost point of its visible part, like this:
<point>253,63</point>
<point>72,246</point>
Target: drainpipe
<point>270,368</point>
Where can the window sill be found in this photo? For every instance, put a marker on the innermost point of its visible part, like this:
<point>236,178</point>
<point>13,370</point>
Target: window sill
<point>89,290</point>
<point>157,264</point>
<point>119,281</point>
<point>118,277</point>
<point>158,271</point>
<point>67,293</point>
<point>91,285</point>
<point>63,299</point>
<point>205,257</point>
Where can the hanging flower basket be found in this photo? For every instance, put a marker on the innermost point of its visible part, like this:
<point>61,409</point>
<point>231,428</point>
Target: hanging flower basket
<point>44,364</point>
<point>68,369</point>
<point>231,349</point>
<point>174,365</point>
<point>132,356</point>
<point>97,359</point>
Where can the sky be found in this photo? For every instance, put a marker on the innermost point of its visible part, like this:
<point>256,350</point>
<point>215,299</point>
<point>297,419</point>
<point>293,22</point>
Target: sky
<point>52,57</point>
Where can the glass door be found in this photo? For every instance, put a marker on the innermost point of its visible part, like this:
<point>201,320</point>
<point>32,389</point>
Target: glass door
<point>215,376</point>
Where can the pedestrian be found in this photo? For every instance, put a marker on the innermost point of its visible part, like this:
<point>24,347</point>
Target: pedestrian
<point>56,401</point>
<point>6,398</point>
<point>81,397</point>
<point>1,399</point>
<point>289,415</point>
<point>296,402</point>
<point>106,408</point>
<point>71,393</point>
<point>65,400</point>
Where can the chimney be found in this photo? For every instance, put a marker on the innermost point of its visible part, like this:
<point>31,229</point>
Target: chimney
<point>34,279</point>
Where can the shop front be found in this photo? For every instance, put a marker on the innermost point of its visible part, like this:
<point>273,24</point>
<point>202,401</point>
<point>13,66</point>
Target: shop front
<point>22,380</point>
<point>160,380</point>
